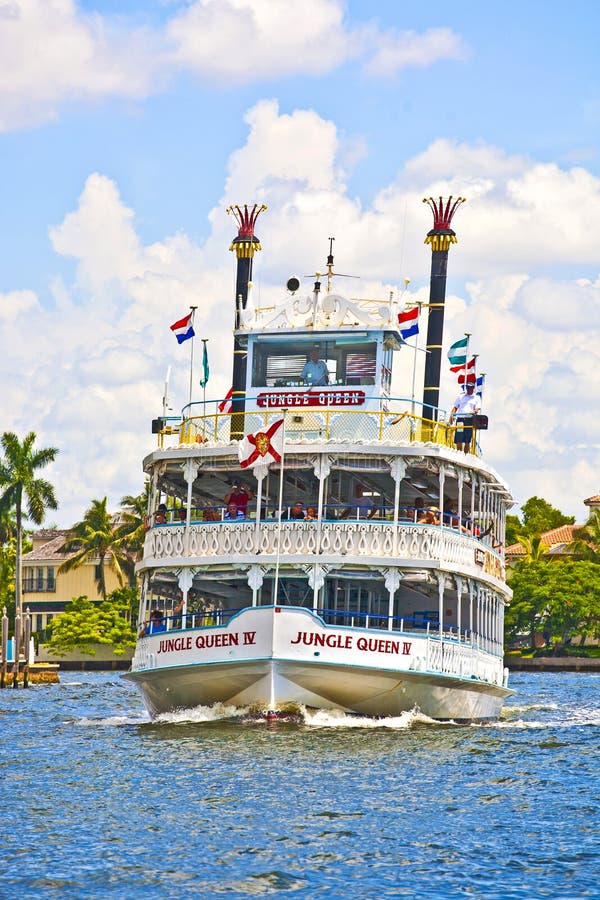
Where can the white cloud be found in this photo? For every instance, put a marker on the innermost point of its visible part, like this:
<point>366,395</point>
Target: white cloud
<point>243,40</point>
<point>52,53</point>
<point>396,50</point>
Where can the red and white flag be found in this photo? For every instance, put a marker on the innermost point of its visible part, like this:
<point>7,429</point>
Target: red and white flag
<point>263,448</point>
<point>225,405</point>
<point>463,366</point>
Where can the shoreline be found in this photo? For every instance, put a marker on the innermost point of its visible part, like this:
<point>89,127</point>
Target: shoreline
<point>552,664</point>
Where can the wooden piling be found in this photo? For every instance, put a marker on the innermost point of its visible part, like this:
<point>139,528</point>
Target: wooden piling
<point>4,648</point>
<point>26,642</point>
<point>16,651</point>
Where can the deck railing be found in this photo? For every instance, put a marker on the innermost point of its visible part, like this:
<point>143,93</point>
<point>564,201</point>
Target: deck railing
<point>395,422</point>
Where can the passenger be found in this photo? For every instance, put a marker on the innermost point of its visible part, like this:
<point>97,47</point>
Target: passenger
<point>155,625</point>
<point>241,496</point>
<point>430,516</point>
<point>467,405</point>
<point>296,512</point>
<point>233,512</point>
<point>182,513</point>
<point>315,370</point>
<point>209,513</point>
<point>160,516</point>
<point>311,514</point>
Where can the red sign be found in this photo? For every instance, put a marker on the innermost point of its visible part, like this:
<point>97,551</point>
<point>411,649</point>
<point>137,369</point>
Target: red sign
<point>292,399</point>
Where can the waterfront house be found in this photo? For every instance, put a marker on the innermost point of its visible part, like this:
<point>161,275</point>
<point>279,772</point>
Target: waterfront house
<point>46,590</point>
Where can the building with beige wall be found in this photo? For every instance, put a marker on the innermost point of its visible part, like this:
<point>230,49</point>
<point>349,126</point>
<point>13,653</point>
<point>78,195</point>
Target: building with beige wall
<point>46,591</point>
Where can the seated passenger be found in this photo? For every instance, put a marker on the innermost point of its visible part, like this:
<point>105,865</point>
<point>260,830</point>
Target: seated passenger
<point>296,512</point>
<point>233,512</point>
<point>430,516</point>
<point>210,513</point>
<point>311,514</point>
<point>155,625</point>
<point>160,516</point>
<point>182,513</point>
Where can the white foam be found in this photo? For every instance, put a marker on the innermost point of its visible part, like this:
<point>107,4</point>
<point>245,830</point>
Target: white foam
<point>336,718</point>
<point>202,714</point>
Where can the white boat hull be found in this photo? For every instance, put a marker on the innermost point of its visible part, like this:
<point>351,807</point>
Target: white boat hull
<point>276,657</point>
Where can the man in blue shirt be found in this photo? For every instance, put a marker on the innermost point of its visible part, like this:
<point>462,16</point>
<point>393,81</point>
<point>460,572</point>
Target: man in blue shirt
<point>315,369</point>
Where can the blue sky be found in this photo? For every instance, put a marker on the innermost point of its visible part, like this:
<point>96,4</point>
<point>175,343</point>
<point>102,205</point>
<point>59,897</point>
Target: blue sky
<point>126,128</point>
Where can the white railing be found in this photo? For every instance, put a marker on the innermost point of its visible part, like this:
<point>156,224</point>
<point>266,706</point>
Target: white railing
<point>340,538</point>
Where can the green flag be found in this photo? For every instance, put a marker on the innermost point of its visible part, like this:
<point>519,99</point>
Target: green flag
<point>205,369</point>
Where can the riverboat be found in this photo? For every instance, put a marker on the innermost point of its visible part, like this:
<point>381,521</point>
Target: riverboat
<point>389,595</point>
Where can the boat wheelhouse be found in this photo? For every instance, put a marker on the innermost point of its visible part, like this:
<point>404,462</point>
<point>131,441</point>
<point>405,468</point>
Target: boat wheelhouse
<point>388,595</point>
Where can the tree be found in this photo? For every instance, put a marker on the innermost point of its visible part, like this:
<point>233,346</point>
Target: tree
<point>20,487</point>
<point>561,599</point>
<point>97,537</point>
<point>133,524</point>
<point>535,549</point>
<point>85,624</point>
<point>586,542</point>
<point>539,516</point>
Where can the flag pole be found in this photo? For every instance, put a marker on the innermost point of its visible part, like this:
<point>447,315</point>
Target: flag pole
<point>412,404</point>
<point>193,309</point>
<point>204,380</point>
<point>467,335</point>
<point>279,510</point>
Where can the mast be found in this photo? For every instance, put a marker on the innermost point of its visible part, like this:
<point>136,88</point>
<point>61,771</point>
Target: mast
<point>245,246</point>
<point>440,237</point>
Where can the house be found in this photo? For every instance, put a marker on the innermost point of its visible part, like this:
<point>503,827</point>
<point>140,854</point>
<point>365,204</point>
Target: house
<point>557,540</point>
<point>46,591</point>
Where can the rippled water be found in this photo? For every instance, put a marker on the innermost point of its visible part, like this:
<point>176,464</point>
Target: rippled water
<point>98,802</point>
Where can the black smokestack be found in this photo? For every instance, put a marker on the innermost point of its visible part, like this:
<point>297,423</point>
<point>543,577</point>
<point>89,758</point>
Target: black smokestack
<point>245,246</point>
<point>440,237</point>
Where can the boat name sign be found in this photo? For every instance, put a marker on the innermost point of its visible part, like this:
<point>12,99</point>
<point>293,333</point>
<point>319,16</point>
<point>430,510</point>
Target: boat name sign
<point>211,640</point>
<point>292,399</point>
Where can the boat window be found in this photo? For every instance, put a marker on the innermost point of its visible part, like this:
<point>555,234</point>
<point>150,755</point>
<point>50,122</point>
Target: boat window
<point>280,363</point>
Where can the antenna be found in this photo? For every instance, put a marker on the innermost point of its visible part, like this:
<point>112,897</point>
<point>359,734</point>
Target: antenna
<point>330,272</point>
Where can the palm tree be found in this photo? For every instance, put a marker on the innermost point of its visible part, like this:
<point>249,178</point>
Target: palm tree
<point>133,521</point>
<point>586,540</point>
<point>20,486</point>
<point>97,537</point>
<point>535,549</point>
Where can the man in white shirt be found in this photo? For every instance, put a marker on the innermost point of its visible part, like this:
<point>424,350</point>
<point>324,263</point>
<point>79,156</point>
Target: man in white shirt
<point>465,405</point>
<point>315,370</point>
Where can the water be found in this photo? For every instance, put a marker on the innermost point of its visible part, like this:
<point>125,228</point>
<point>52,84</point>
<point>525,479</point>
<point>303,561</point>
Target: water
<point>99,802</point>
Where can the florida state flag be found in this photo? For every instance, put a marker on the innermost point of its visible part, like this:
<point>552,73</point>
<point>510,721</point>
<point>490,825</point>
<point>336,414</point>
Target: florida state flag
<point>263,448</point>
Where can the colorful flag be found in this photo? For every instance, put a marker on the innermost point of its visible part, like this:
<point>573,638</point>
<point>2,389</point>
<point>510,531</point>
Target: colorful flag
<point>479,385</point>
<point>470,378</point>
<point>469,365</point>
<point>225,405</point>
<point>183,329</point>
<point>457,354</point>
<point>205,369</point>
<point>262,448</point>
<point>409,322</point>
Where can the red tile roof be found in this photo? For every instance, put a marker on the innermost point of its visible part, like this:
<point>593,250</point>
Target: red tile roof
<point>555,540</point>
<point>593,501</point>
<point>50,548</point>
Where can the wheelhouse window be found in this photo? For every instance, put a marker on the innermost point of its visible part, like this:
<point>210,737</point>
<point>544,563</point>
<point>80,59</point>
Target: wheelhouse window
<point>282,363</point>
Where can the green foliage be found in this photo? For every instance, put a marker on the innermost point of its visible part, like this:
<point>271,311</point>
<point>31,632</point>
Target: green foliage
<point>133,518</point>
<point>23,491</point>
<point>539,516</point>
<point>126,598</point>
<point>84,624</point>
<point>562,599</point>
